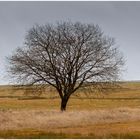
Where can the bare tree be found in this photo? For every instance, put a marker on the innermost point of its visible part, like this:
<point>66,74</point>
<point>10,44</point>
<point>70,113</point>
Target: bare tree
<point>67,56</point>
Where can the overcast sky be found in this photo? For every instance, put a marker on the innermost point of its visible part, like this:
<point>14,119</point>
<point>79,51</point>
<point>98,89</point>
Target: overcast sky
<point>120,20</point>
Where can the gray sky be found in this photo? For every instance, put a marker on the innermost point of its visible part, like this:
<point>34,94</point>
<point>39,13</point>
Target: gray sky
<point>120,20</point>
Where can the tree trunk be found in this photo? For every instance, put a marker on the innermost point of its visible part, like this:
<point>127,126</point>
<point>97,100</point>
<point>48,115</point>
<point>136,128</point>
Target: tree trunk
<point>64,104</point>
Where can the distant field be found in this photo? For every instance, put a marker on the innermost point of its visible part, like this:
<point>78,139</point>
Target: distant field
<point>111,115</point>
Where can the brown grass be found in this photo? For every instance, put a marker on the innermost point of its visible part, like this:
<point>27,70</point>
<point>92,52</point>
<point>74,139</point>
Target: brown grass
<point>105,123</point>
<point>44,119</point>
<point>112,115</point>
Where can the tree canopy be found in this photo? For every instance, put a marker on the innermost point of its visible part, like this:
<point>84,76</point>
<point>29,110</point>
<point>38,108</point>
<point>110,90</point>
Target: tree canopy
<point>66,55</point>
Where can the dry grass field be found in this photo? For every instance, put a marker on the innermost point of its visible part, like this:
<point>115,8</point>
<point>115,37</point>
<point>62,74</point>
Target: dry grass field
<point>111,115</point>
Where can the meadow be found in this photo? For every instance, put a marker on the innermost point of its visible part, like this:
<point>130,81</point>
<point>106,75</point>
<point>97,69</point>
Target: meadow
<point>115,114</point>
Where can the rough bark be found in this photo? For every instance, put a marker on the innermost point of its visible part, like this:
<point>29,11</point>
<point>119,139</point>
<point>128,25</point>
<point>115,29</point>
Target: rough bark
<point>64,102</point>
